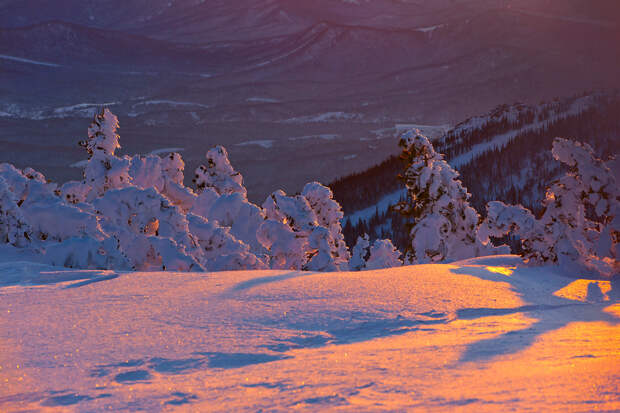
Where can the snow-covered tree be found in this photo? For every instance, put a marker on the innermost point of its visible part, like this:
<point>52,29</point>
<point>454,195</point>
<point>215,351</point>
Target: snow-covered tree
<point>222,251</point>
<point>290,220</point>
<point>443,226</point>
<point>361,252</point>
<point>233,211</point>
<point>151,231</point>
<point>102,136</point>
<point>286,248</point>
<point>565,234</point>
<point>219,174</point>
<point>329,215</point>
<point>86,253</point>
<point>14,229</point>
<point>165,175</point>
<point>47,215</point>
<point>321,256</point>
<point>74,192</point>
<point>383,254</point>
<point>104,170</point>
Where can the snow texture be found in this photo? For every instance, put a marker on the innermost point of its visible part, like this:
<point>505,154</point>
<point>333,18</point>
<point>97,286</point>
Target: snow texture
<point>481,335</point>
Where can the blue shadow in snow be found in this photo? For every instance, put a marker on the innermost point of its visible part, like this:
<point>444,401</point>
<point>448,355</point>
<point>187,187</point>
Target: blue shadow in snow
<point>181,399</point>
<point>131,376</point>
<point>236,360</point>
<point>549,317</point>
<point>245,285</point>
<point>178,366</point>
<point>65,400</point>
<point>324,401</point>
<point>357,331</point>
<point>92,281</point>
<point>182,366</point>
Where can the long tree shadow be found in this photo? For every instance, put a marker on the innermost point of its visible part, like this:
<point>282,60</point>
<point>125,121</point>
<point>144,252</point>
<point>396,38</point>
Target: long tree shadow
<point>35,274</point>
<point>552,312</point>
<point>254,282</point>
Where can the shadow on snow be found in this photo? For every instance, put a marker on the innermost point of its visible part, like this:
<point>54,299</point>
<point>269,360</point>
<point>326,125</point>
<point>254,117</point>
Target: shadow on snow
<point>554,316</point>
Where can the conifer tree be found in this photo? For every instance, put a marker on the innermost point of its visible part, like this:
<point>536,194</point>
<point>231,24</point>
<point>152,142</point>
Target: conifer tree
<point>383,254</point>
<point>219,174</point>
<point>329,215</point>
<point>579,226</point>
<point>14,229</point>
<point>104,170</point>
<point>442,224</point>
<point>360,254</point>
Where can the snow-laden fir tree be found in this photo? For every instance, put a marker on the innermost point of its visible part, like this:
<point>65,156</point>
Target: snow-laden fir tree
<point>321,258</point>
<point>151,231</point>
<point>220,250</point>
<point>383,254</point>
<point>104,170</point>
<point>360,253</point>
<point>285,233</point>
<point>233,211</point>
<point>223,198</point>
<point>329,215</point>
<point>48,216</point>
<point>579,227</point>
<point>165,175</point>
<point>219,174</point>
<point>14,229</point>
<point>443,226</point>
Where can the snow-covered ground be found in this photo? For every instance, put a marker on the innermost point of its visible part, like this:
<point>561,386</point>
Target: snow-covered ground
<point>478,335</point>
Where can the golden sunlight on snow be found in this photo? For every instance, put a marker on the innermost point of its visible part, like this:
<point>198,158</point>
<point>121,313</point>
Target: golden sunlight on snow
<point>430,337</point>
<point>507,271</point>
<point>578,290</point>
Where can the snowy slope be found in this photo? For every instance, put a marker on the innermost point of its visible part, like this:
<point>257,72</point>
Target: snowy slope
<point>472,336</point>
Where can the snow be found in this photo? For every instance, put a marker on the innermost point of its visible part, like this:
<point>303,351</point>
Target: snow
<point>33,62</point>
<point>81,109</point>
<point>432,131</point>
<point>172,103</point>
<point>325,117</point>
<point>430,29</point>
<point>325,136</point>
<point>79,164</point>
<point>258,99</point>
<point>166,151</point>
<point>264,143</point>
<point>480,335</point>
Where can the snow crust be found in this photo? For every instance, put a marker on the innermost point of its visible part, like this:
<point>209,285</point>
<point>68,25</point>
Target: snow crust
<point>479,335</point>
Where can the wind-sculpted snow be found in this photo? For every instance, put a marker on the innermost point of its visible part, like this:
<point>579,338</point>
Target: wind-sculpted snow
<point>480,335</point>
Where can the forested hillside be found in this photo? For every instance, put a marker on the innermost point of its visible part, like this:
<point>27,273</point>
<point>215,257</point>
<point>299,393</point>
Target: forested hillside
<point>504,156</point>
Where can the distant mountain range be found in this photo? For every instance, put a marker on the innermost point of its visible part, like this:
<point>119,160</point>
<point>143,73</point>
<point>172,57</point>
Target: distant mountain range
<point>271,79</point>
